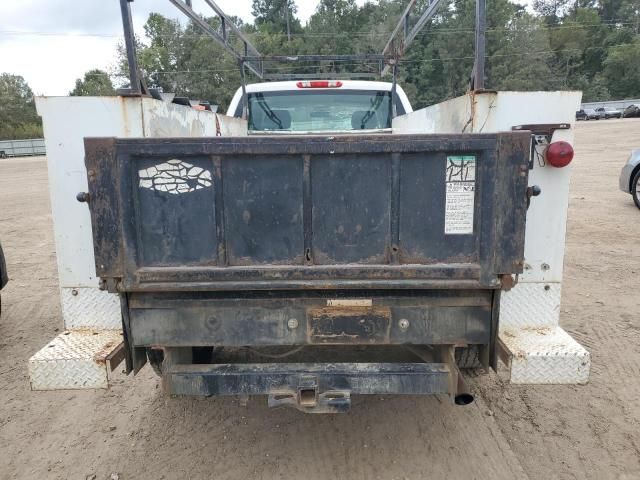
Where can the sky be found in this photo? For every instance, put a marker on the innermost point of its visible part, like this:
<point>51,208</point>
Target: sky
<point>51,43</point>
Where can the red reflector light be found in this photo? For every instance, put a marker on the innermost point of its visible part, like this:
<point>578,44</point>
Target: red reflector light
<point>559,154</point>
<point>320,84</point>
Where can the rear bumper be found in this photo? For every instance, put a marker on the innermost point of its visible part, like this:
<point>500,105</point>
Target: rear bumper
<point>327,346</point>
<point>316,388</point>
<point>324,318</point>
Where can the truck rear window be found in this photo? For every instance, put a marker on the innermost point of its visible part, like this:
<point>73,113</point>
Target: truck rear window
<point>320,110</point>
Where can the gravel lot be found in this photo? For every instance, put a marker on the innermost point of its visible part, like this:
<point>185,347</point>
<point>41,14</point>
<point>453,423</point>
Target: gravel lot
<point>550,432</point>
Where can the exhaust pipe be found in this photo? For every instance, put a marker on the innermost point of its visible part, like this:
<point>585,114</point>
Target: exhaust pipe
<point>463,395</point>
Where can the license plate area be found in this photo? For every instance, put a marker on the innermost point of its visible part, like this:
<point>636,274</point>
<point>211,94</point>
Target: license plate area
<point>349,325</point>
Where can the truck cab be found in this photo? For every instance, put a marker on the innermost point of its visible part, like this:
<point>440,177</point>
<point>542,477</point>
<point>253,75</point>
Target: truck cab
<point>317,106</point>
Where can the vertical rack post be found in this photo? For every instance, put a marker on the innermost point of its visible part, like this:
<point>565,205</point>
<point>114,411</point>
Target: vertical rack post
<point>130,44</point>
<point>286,9</point>
<point>392,104</point>
<point>481,25</point>
<point>245,103</point>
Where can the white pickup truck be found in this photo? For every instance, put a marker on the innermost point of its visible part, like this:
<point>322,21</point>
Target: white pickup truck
<point>319,216</point>
<point>319,106</point>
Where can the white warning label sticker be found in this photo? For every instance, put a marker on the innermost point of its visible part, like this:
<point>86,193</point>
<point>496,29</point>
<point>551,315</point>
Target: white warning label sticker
<point>460,195</point>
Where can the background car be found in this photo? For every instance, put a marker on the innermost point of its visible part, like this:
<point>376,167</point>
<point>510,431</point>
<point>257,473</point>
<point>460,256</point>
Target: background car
<point>632,110</point>
<point>581,115</point>
<point>591,114</point>
<point>609,112</point>
<point>630,177</point>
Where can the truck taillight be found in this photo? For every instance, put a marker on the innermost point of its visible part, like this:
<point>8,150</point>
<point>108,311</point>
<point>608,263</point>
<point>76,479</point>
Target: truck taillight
<point>559,154</point>
<point>320,84</point>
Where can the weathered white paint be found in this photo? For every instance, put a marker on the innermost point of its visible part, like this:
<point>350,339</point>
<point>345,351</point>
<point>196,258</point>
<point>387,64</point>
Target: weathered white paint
<point>66,122</point>
<point>91,315</point>
<point>231,126</point>
<point>451,116</point>
<point>535,301</point>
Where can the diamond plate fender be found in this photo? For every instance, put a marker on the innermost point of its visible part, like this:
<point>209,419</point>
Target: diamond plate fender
<point>544,355</point>
<point>90,307</point>
<point>530,305</point>
<point>532,344</point>
<point>77,359</point>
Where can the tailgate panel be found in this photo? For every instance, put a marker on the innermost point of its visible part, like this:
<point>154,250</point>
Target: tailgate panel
<point>351,209</point>
<point>167,219</point>
<point>263,210</point>
<point>422,227</point>
<point>380,211</point>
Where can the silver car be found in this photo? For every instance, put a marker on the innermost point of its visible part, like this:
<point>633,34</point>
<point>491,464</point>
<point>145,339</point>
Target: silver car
<point>630,177</point>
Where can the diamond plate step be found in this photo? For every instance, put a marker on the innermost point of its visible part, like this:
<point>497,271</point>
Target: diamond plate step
<point>543,355</point>
<point>77,359</point>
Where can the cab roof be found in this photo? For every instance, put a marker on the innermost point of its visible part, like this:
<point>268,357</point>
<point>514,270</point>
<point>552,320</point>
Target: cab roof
<point>292,85</point>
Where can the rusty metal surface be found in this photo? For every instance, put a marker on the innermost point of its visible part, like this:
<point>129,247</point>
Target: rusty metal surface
<point>508,281</point>
<point>116,357</point>
<point>345,325</point>
<point>333,401</point>
<point>104,188</point>
<point>321,380</point>
<point>303,213</point>
<point>395,318</point>
<point>274,378</point>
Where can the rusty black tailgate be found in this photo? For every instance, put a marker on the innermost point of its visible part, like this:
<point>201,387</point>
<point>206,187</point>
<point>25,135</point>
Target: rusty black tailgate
<point>292,212</point>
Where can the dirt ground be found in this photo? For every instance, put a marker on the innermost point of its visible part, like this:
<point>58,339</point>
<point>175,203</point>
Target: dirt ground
<point>549,432</point>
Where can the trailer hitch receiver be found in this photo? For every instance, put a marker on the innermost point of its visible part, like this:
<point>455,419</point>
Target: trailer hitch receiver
<point>309,400</point>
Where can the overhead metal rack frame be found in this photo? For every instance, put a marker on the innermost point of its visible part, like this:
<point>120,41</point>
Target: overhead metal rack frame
<point>404,34</point>
<point>249,58</point>
<point>223,37</point>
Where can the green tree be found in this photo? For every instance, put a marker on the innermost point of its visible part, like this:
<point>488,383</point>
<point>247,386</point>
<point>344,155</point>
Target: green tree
<point>572,43</point>
<point>553,10</point>
<point>210,72</point>
<point>334,28</point>
<point>594,89</point>
<point>618,11</point>
<point>95,83</point>
<point>440,61</point>
<point>521,56</point>
<point>18,116</point>
<point>271,16</point>
<point>622,70</point>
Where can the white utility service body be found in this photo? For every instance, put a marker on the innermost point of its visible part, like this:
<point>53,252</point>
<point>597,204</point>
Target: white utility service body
<point>82,356</point>
<point>539,350</point>
<point>536,349</point>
